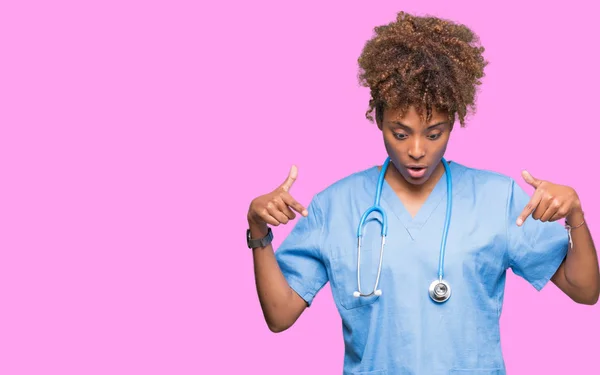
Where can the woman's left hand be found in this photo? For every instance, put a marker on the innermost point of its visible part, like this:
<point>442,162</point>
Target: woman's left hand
<point>550,202</point>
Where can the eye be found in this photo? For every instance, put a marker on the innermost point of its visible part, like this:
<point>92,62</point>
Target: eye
<point>433,137</point>
<point>399,136</point>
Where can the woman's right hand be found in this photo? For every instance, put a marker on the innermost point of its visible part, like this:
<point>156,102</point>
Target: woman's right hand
<point>278,206</point>
<point>280,304</point>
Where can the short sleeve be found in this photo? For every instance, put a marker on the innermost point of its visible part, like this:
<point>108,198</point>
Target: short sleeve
<point>299,255</point>
<point>536,249</point>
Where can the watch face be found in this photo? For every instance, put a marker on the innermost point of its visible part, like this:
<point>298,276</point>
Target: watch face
<point>248,239</point>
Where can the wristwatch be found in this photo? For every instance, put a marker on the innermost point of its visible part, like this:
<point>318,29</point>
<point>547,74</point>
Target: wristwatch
<point>258,242</point>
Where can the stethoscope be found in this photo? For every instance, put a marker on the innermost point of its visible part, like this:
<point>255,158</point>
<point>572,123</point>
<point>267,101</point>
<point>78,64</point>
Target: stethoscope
<point>439,290</point>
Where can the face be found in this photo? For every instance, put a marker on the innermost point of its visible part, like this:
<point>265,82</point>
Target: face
<point>415,147</point>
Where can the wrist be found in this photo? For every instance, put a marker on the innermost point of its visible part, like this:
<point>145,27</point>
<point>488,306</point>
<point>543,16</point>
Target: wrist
<point>575,217</point>
<point>258,229</point>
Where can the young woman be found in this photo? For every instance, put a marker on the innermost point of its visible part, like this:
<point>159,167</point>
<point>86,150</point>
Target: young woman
<point>429,300</point>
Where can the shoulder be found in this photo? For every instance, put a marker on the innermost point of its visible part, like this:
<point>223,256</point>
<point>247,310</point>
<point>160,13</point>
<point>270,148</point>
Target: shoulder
<point>478,180</point>
<point>347,187</point>
<point>494,191</point>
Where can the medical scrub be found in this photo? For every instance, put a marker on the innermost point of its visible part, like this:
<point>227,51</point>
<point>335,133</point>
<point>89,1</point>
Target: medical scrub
<point>403,331</point>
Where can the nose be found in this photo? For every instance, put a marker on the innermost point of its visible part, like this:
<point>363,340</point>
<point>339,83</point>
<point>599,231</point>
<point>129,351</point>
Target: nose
<point>416,150</point>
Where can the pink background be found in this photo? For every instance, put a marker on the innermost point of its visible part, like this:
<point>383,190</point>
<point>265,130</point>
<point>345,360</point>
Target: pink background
<point>123,124</point>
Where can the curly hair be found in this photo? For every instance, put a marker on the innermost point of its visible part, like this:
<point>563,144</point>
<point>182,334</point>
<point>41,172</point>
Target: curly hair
<point>425,62</point>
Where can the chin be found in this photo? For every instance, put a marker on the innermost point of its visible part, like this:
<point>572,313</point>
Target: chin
<point>418,181</point>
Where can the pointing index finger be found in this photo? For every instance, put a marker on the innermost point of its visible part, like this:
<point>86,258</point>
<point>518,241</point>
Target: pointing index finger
<point>529,208</point>
<point>293,203</point>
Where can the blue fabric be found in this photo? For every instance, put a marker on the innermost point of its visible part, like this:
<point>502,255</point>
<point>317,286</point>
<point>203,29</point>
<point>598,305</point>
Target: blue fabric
<point>403,331</point>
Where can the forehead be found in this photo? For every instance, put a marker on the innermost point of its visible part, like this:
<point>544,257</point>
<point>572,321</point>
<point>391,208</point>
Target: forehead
<point>412,118</point>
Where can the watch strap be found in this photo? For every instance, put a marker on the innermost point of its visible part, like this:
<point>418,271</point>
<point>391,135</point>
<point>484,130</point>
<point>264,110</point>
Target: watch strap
<point>259,242</point>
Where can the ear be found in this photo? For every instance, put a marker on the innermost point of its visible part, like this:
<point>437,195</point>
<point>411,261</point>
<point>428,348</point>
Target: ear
<point>452,121</point>
<point>379,117</point>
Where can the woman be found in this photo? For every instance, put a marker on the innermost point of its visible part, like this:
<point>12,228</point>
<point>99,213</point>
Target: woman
<point>433,305</point>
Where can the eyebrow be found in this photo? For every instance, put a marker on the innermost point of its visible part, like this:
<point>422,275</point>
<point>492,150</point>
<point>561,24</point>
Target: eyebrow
<point>398,123</point>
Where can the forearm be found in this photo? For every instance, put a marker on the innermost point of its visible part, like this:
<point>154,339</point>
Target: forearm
<point>581,265</point>
<point>274,293</point>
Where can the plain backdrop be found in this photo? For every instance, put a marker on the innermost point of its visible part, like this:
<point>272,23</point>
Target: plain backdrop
<point>134,134</point>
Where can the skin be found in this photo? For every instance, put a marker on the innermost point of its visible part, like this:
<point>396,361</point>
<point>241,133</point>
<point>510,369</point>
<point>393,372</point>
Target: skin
<point>410,140</point>
<point>280,304</point>
<point>578,276</point>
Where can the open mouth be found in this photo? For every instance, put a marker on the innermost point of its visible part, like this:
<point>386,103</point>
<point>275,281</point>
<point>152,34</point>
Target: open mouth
<point>416,171</point>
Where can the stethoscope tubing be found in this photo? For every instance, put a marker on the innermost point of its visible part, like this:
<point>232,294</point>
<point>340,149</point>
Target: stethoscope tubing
<point>439,290</point>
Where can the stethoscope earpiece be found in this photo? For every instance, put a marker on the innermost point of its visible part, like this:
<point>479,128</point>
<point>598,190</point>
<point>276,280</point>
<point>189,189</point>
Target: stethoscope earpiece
<point>439,290</point>
<point>358,294</point>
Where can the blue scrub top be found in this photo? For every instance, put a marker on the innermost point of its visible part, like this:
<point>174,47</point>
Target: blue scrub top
<point>403,331</point>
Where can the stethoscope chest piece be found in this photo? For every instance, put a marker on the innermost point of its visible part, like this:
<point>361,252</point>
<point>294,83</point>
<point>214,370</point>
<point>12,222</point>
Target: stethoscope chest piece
<point>439,291</point>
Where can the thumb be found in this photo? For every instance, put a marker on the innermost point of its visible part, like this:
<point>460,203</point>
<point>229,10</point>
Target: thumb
<point>530,179</point>
<point>291,178</point>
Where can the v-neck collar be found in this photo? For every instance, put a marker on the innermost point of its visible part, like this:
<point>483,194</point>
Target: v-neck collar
<point>413,225</point>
